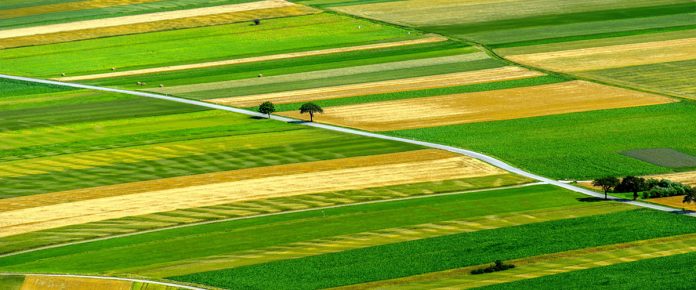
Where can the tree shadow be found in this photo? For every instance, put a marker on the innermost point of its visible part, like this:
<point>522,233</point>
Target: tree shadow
<point>258,118</point>
<point>298,122</point>
<point>589,199</point>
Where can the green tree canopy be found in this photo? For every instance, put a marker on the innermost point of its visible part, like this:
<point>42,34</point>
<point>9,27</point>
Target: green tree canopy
<point>267,108</point>
<point>311,108</point>
<point>607,183</point>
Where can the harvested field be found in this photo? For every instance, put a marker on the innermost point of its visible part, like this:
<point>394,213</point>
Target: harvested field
<point>67,6</point>
<point>135,19</point>
<point>688,177</point>
<point>544,265</point>
<point>322,74</point>
<point>410,84</point>
<point>567,97</point>
<point>64,214</point>
<point>225,176</point>
<point>429,39</point>
<point>32,282</point>
<point>181,23</point>
<point>613,56</point>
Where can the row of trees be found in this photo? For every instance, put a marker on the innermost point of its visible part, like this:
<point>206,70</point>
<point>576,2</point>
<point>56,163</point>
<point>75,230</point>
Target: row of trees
<point>650,188</point>
<point>268,108</point>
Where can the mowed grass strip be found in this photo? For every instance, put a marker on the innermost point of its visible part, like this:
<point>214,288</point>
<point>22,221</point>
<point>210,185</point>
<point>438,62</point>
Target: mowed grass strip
<point>558,146</point>
<point>613,56</point>
<point>451,251</point>
<point>545,265</point>
<point>243,209</point>
<point>573,96</point>
<point>671,272</point>
<point>672,78</point>
<point>135,19</point>
<point>179,23</point>
<point>221,192</point>
<point>409,84</point>
<point>221,42</point>
<point>368,239</point>
<point>262,232</point>
<point>216,177</point>
<point>320,74</point>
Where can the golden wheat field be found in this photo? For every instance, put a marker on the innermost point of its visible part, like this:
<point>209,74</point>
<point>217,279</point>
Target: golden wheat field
<point>688,177</point>
<point>181,23</point>
<point>409,84</point>
<point>448,166</point>
<point>38,200</point>
<point>567,97</point>
<point>613,56</point>
<point>143,18</point>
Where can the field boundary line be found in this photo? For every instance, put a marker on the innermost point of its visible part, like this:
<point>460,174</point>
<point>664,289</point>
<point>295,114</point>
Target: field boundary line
<point>266,215</point>
<point>107,278</point>
<point>428,39</point>
<point>480,156</point>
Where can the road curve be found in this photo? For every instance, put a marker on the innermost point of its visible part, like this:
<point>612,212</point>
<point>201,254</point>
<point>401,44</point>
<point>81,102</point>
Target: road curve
<point>108,278</point>
<point>485,158</point>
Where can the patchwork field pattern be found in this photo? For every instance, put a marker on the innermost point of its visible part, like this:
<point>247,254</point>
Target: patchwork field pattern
<point>99,183</point>
<point>576,96</point>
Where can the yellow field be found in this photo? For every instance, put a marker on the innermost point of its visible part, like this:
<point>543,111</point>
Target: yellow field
<point>429,39</point>
<point>32,282</point>
<point>68,6</point>
<point>688,177</point>
<point>674,201</point>
<point>567,97</point>
<point>447,166</point>
<point>187,22</point>
<point>613,56</point>
<point>143,18</point>
<point>38,200</point>
<point>418,83</point>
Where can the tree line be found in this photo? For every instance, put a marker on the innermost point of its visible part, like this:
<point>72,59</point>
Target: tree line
<point>650,188</point>
<point>268,108</point>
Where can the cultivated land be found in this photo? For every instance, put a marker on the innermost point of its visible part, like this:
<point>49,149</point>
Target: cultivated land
<point>108,184</point>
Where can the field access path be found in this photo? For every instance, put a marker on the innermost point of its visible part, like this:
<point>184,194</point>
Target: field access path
<point>485,158</point>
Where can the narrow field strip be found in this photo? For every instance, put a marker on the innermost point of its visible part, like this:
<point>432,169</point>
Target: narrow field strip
<point>33,282</point>
<point>135,19</point>
<point>179,23</point>
<point>65,214</point>
<point>409,84</point>
<point>53,198</point>
<point>674,202</point>
<point>67,6</point>
<point>614,56</point>
<point>369,239</point>
<point>566,97</point>
<point>551,264</point>
<point>688,177</point>
<point>429,39</point>
<point>256,208</point>
<point>321,74</point>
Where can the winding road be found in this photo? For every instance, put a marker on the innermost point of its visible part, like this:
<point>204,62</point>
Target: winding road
<point>485,158</point>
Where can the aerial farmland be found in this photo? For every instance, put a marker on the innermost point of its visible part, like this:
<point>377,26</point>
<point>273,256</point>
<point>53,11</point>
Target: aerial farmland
<point>347,144</point>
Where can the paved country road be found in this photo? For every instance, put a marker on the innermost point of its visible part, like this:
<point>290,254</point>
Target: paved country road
<point>485,158</point>
<point>107,278</point>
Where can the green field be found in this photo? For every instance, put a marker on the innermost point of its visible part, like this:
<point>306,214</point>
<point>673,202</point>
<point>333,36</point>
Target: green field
<point>135,253</point>
<point>576,146</point>
<point>674,272</point>
<point>451,251</point>
<point>196,45</point>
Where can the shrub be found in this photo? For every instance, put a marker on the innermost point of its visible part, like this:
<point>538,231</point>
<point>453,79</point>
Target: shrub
<point>497,266</point>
